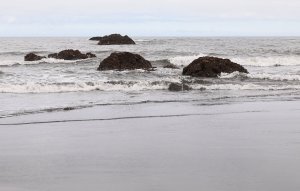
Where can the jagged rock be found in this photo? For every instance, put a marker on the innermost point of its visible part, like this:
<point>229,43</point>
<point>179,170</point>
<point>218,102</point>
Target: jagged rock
<point>124,61</point>
<point>211,67</point>
<point>71,55</point>
<point>176,87</point>
<point>33,57</point>
<point>114,39</point>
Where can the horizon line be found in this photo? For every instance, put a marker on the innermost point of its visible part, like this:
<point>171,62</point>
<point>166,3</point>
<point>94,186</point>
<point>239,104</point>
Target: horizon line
<point>149,36</point>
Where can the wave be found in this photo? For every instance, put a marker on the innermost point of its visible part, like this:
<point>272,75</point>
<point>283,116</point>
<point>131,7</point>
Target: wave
<point>247,61</point>
<point>244,87</point>
<point>184,60</point>
<point>263,76</point>
<point>83,86</point>
<point>18,53</point>
<point>6,63</point>
<point>143,40</point>
<point>206,101</point>
<point>91,104</point>
<point>269,61</point>
<point>130,86</point>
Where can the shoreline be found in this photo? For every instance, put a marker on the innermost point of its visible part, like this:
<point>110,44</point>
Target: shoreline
<point>242,146</point>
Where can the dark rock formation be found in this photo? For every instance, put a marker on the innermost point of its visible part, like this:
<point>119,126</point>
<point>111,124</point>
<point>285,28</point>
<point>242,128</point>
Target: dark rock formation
<point>71,55</point>
<point>33,57</point>
<point>68,108</point>
<point>211,67</point>
<point>176,87</point>
<point>114,39</point>
<point>124,61</point>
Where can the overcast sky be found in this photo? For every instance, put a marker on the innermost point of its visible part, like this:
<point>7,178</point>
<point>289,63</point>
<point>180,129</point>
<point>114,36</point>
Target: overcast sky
<point>150,17</point>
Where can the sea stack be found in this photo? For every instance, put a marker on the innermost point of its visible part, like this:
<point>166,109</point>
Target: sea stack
<point>212,67</point>
<point>113,39</point>
<point>71,55</point>
<point>124,61</point>
<point>33,57</point>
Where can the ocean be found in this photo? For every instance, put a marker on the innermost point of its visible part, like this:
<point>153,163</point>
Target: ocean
<point>51,85</point>
<point>64,126</point>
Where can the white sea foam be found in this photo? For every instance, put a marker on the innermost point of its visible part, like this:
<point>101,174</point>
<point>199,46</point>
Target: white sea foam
<point>128,86</point>
<point>81,86</point>
<point>8,62</point>
<point>142,40</point>
<point>245,87</point>
<point>263,76</point>
<point>247,61</point>
<point>45,60</point>
<point>184,60</point>
<point>268,61</point>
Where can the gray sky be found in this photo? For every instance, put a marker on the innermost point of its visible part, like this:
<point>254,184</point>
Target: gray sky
<point>150,17</point>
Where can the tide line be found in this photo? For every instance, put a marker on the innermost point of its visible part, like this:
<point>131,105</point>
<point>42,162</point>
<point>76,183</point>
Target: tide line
<point>122,118</point>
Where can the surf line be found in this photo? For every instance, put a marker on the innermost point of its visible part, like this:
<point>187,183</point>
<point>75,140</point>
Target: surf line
<point>121,118</point>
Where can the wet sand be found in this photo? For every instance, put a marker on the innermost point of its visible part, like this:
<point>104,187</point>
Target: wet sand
<point>169,146</point>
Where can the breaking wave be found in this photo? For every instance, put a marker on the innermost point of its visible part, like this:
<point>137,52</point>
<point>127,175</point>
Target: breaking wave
<point>143,40</point>
<point>269,61</point>
<point>20,53</point>
<point>247,61</point>
<point>184,60</point>
<point>84,86</point>
<point>244,87</point>
<point>263,76</point>
<point>43,61</point>
<point>130,86</point>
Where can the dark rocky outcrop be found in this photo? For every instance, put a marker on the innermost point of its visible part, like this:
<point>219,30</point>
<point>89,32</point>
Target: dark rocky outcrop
<point>176,87</point>
<point>124,61</point>
<point>33,57</point>
<point>114,39</point>
<point>71,55</point>
<point>69,108</point>
<point>211,67</point>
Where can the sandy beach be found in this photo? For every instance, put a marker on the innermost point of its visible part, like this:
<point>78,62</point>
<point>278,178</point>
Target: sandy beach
<point>182,146</point>
<point>130,95</point>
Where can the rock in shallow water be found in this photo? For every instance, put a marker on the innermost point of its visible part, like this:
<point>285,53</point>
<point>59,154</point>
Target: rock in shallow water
<point>114,39</point>
<point>71,55</point>
<point>33,57</point>
<point>211,67</point>
<point>124,61</point>
<point>176,87</point>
